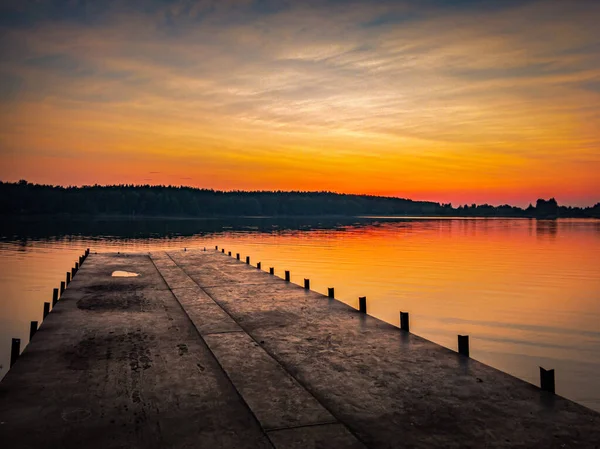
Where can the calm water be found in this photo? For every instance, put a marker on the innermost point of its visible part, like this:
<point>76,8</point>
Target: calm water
<point>527,292</point>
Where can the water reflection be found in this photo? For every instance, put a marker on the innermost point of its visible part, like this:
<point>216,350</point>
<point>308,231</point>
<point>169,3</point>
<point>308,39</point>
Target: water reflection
<point>24,230</point>
<point>546,228</point>
<point>526,292</point>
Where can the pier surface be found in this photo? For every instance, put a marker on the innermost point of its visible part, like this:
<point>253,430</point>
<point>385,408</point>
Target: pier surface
<point>204,351</point>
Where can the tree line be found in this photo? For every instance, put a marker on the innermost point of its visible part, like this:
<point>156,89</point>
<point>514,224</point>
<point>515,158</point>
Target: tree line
<point>24,198</point>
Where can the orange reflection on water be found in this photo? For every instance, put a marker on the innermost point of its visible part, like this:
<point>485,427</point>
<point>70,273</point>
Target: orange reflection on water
<point>527,292</point>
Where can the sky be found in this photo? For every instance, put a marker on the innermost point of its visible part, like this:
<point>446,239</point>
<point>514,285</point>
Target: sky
<point>458,101</point>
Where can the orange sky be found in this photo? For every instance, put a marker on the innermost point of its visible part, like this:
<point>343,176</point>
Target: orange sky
<point>446,101</point>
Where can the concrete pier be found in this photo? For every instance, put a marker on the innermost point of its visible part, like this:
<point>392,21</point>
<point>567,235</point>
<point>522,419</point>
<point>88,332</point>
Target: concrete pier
<point>202,350</point>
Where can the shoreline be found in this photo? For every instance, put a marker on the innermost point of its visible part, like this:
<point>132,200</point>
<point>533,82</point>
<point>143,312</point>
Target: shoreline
<point>100,218</point>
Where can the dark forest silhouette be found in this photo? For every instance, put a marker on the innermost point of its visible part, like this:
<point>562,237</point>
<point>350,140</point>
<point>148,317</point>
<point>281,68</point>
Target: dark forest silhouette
<point>23,198</point>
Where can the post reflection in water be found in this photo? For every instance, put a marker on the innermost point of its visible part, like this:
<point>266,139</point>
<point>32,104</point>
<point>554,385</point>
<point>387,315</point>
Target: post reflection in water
<point>526,292</point>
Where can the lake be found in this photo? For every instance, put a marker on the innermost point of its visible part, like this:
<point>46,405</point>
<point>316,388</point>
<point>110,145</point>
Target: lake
<point>527,292</point>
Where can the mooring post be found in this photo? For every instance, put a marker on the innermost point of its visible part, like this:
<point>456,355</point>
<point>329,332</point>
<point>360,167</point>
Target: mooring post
<point>248,260</point>
<point>205,248</point>
<point>404,323</point>
<point>362,304</point>
<point>68,278</point>
<point>32,329</point>
<point>216,247</point>
<point>229,253</point>
<point>62,287</point>
<point>54,297</point>
<point>76,267</point>
<point>272,270</point>
<point>287,276</point>
<point>463,345</point>
<point>15,350</point>
<point>547,380</point>
<point>306,284</point>
<point>331,292</point>
<point>46,309</point>
<point>223,250</point>
<point>237,256</point>
<point>258,265</point>
<point>72,273</point>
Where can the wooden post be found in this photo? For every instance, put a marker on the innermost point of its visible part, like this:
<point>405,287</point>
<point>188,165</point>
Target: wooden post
<point>362,304</point>
<point>248,260</point>
<point>68,278</point>
<point>62,287</point>
<point>287,276</point>
<point>87,252</point>
<point>463,345</point>
<point>237,256</point>
<point>547,380</point>
<point>258,265</point>
<point>216,247</point>
<point>272,270</point>
<point>72,273</point>
<point>307,284</point>
<point>54,297</point>
<point>223,250</point>
<point>46,309</point>
<point>15,350</point>
<point>404,323</point>
<point>76,267</point>
<point>229,253</point>
<point>331,292</point>
<point>32,329</point>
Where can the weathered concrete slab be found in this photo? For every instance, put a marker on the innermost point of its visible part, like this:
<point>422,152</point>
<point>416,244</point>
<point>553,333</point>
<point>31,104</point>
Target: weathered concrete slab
<point>202,350</point>
<point>103,265</point>
<point>118,364</point>
<point>223,270</point>
<point>392,389</point>
<point>325,436</point>
<point>172,275</point>
<point>273,395</point>
<point>277,400</point>
<point>206,315</point>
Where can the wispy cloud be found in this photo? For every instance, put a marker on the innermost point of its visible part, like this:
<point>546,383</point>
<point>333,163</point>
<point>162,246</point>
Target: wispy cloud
<point>434,91</point>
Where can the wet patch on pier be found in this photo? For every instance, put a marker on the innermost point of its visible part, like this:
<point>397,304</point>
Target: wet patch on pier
<point>114,301</point>
<point>94,348</point>
<point>111,287</point>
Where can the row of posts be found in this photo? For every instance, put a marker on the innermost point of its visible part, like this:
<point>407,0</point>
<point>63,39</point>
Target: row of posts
<point>15,349</point>
<point>547,382</point>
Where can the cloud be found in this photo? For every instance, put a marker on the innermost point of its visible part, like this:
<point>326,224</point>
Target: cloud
<point>472,86</point>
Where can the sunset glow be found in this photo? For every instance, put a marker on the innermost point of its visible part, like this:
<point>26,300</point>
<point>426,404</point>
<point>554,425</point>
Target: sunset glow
<point>450,101</point>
